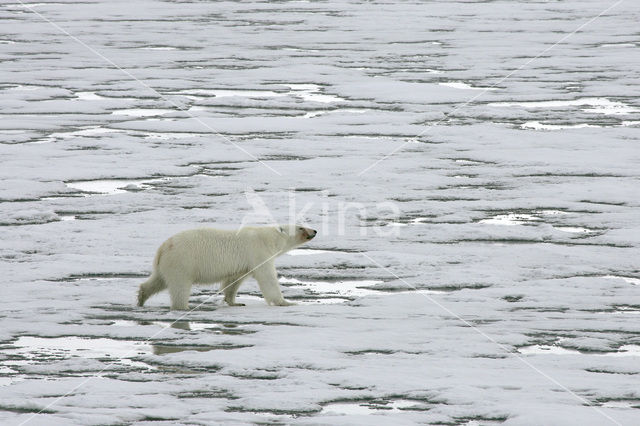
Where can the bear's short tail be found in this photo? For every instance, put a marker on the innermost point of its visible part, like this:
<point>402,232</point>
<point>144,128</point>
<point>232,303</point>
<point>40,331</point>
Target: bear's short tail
<point>150,287</point>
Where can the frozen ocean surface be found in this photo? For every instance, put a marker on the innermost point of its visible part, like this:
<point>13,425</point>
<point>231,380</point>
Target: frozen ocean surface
<point>489,274</point>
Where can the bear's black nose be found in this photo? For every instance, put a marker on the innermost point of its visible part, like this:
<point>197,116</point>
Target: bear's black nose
<point>312,233</point>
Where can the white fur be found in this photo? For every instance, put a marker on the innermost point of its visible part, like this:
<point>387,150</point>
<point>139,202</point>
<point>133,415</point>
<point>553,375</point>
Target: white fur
<point>208,255</point>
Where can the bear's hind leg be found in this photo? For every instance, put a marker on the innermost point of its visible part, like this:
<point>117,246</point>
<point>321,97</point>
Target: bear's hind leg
<point>230,288</point>
<point>179,292</point>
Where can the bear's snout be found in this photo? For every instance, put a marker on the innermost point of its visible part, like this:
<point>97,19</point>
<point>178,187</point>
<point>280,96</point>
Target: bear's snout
<point>310,233</point>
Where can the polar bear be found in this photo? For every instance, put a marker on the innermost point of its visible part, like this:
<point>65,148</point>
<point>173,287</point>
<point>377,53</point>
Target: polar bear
<point>208,255</point>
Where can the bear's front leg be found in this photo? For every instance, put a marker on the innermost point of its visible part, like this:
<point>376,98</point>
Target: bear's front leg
<point>267,279</point>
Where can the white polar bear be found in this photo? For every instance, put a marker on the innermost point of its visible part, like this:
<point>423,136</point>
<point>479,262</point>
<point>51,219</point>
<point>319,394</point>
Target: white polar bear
<point>208,255</point>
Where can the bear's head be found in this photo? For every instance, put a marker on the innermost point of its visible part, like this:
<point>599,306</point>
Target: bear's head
<point>296,235</point>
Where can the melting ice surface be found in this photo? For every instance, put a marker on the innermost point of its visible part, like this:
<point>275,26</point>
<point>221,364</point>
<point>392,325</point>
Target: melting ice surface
<point>182,324</point>
<point>573,229</point>
<point>339,288</point>
<point>223,93</point>
<point>334,111</point>
<point>88,131</point>
<point>621,404</point>
<point>360,408</point>
<point>120,351</point>
<point>630,280</point>
<point>537,217</point>
<point>536,125</point>
<point>311,92</point>
<point>367,408</point>
<point>308,252</point>
<point>307,92</point>
<point>168,135</point>
<point>511,219</point>
<point>343,289</point>
<point>89,96</point>
<point>25,87</point>
<point>461,85</point>
<point>597,105</point>
<point>623,351</point>
<point>110,186</point>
